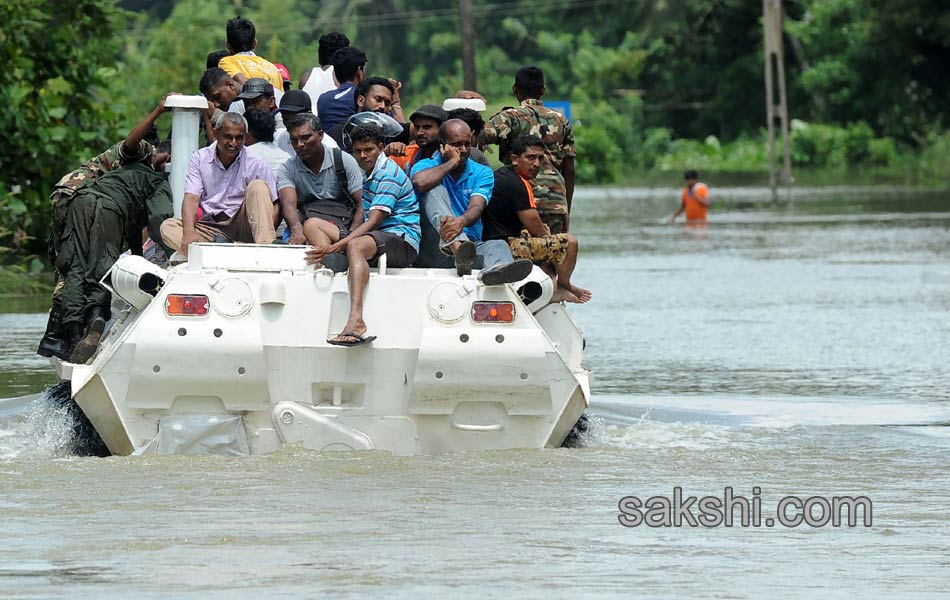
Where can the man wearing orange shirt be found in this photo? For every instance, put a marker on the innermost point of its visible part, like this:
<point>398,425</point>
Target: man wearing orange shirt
<point>695,200</point>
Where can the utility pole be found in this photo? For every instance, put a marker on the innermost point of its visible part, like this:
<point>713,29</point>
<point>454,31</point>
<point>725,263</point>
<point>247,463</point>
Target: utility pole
<point>775,105</point>
<point>468,44</point>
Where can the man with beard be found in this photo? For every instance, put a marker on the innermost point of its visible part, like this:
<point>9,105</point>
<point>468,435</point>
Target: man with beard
<point>375,94</point>
<point>427,120</point>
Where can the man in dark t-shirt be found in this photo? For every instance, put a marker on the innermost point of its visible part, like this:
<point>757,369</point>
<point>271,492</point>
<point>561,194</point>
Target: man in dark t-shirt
<point>512,215</point>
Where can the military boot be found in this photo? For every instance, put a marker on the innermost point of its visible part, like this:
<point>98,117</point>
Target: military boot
<point>96,317</point>
<point>54,340</point>
<point>71,338</point>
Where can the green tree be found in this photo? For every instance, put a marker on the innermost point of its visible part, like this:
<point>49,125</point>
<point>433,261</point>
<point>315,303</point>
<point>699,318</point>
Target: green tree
<point>881,62</point>
<point>57,57</point>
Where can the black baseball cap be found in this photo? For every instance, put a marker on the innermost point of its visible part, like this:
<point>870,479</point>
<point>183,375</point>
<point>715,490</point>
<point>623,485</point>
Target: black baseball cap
<point>254,87</point>
<point>296,101</point>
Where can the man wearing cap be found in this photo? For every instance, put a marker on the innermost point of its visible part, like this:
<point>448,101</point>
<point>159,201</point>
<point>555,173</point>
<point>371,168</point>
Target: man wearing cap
<point>235,190</point>
<point>259,93</point>
<point>293,103</point>
<point>427,119</point>
<point>453,191</point>
<point>285,75</point>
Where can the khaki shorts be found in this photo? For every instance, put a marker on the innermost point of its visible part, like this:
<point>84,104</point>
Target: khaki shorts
<point>548,248</point>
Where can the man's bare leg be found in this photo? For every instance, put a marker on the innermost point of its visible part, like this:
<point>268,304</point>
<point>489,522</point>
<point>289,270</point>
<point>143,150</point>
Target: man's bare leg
<point>358,252</point>
<point>320,233</point>
<point>566,269</point>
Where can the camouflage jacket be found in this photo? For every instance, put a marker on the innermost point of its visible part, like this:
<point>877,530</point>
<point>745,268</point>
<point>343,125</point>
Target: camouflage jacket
<point>103,163</point>
<point>533,118</point>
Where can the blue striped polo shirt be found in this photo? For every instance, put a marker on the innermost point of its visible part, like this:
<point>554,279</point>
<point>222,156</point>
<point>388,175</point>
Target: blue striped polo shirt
<point>388,189</point>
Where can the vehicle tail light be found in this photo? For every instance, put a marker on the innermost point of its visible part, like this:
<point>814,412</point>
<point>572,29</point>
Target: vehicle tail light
<point>493,312</point>
<point>184,305</point>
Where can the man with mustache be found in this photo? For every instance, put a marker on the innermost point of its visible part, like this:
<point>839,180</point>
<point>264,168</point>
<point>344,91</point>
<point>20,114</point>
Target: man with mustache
<point>512,216</point>
<point>427,119</point>
<point>235,190</point>
<point>454,191</point>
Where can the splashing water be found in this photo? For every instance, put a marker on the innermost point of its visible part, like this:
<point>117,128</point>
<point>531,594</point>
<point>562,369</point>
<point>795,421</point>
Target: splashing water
<point>47,425</point>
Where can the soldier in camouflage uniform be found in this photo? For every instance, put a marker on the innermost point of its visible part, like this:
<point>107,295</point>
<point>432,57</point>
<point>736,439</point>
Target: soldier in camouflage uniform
<point>554,186</point>
<point>133,149</point>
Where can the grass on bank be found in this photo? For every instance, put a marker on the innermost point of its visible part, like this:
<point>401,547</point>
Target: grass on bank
<point>17,281</point>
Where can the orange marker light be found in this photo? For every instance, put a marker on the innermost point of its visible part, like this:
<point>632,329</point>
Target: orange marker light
<point>493,312</point>
<point>184,305</point>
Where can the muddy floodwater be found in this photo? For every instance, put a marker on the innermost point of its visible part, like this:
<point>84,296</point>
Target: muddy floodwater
<point>802,351</point>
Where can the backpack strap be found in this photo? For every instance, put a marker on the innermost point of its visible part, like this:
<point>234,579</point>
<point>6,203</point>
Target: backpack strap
<point>341,177</point>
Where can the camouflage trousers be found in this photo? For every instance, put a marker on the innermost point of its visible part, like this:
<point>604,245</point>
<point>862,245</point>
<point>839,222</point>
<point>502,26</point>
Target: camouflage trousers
<point>59,208</point>
<point>547,248</point>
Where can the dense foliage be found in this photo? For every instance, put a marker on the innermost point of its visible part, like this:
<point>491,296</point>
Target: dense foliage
<point>653,85</point>
<point>58,58</point>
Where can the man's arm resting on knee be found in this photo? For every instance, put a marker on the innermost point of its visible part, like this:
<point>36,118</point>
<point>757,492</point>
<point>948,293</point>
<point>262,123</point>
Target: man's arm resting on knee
<point>532,222</point>
<point>452,227</point>
<point>189,213</point>
<point>288,205</point>
<point>375,220</point>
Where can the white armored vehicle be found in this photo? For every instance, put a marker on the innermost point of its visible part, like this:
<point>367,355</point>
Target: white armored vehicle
<point>231,353</point>
<point>227,352</point>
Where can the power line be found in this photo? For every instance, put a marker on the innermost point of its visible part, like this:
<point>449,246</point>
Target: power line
<point>513,8</point>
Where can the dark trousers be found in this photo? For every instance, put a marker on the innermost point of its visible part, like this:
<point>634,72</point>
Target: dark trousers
<point>93,239</point>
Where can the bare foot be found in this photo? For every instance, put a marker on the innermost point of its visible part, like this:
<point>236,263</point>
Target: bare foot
<point>562,295</point>
<point>582,294</point>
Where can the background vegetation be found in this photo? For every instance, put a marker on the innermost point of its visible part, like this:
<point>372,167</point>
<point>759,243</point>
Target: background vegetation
<point>654,85</point>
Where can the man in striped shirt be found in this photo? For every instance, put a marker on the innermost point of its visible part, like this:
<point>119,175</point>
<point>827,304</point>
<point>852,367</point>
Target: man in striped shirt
<point>391,228</point>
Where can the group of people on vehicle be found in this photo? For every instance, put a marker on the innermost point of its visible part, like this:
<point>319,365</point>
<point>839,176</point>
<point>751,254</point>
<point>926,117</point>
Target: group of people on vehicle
<point>345,172</point>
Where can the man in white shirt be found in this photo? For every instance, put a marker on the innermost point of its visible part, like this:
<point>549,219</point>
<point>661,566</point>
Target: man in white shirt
<point>260,139</point>
<point>320,79</point>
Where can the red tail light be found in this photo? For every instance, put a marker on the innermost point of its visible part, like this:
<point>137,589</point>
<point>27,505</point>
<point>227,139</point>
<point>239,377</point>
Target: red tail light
<point>493,312</point>
<point>182,305</point>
